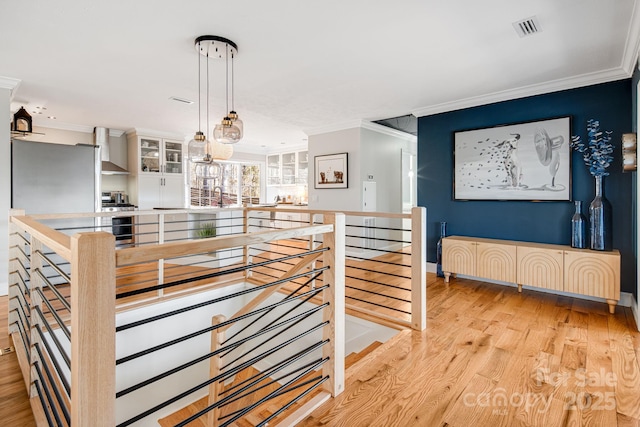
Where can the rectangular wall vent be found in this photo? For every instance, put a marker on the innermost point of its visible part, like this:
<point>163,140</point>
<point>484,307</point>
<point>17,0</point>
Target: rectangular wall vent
<point>527,27</point>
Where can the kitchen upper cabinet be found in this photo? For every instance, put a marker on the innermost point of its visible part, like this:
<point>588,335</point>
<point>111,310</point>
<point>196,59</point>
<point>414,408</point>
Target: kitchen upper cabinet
<point>273,169</point>
<point>288,168</point>
<point>155,155</point>
<point>303,167</point>
<point>156,167</point>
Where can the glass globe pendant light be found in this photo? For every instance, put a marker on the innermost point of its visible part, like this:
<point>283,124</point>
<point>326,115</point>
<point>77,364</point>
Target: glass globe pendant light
<point>232,114</point>
<point>198,146</point>
<point>227,132</point>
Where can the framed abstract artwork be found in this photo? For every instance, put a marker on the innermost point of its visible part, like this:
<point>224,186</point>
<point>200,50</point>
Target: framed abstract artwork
<point>522,161</point>
<point>331,171</point>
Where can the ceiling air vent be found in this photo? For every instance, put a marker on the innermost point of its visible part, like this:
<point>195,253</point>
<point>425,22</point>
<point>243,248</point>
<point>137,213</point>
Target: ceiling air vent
<point>183,100</point>
<point>527,27</point>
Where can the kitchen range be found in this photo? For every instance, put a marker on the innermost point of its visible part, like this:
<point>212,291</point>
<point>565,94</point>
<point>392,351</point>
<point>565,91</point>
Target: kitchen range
<point>121,226</point>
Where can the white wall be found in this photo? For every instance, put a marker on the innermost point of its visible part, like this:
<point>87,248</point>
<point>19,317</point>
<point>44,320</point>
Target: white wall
<point>343,141</point>
<point>382,157</point>
<point>373,150</point>
<point>5,187</point>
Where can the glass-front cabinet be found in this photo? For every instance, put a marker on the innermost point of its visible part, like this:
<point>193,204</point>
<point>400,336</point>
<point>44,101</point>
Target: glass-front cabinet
<point>289,168</point>
<point>172,157</point>
<point>156,167</point>
<point>149,155</point>
<point>273,169</point>
<point>303,167</point>
<point>160,156</point>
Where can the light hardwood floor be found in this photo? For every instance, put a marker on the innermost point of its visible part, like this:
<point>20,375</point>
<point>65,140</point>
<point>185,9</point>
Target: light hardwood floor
<point>493,357</point>
<point>15,410</point>
<point>489,357</point>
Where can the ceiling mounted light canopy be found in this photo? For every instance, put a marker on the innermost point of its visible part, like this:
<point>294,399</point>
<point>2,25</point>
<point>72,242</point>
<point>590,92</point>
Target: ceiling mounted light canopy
<point>230,130</point>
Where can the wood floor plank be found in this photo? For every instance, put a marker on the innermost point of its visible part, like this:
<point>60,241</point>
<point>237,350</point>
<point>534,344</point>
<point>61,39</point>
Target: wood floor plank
<point>15,408</point>
<point>539,357</point>
<point>625,366</point>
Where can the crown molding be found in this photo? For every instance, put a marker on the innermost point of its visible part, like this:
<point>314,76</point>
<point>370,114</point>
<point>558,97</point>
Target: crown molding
<point>286,148</point>
<point>335,127</point>
<point>156,134</point>
<point>11,84</point>
<point>361,124</point>
<point>525,91</point>
<point>389,131</point>
<point>632,43</point>
<point>52,124</point>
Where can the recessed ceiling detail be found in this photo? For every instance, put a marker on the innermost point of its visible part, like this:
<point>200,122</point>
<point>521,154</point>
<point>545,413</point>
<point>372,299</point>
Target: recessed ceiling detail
<point>407,123</point>
<point>527,27</point>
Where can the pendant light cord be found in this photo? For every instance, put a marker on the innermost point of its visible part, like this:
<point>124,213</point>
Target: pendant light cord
<point>207,137</point>
<point>226,58</point>
<point>199,90</point>
<point>233,80</point>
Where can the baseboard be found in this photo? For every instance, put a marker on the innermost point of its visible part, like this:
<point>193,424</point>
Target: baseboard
<point>432,267</point>
<point>634,310</point>
<point>626,299</point>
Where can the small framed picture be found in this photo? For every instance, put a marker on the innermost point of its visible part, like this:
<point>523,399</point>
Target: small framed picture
<point>331,171</point>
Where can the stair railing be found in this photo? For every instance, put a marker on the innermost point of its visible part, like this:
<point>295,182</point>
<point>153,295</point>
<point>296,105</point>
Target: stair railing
<point>386,258</point>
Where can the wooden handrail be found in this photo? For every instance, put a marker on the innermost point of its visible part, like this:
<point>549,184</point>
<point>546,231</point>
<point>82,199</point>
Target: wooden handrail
<point>322,211</point>
<point>177,249</point>
<point>53,239</point>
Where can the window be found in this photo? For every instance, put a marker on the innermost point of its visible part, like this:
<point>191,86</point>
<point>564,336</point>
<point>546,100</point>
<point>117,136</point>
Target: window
<point>239,183</point>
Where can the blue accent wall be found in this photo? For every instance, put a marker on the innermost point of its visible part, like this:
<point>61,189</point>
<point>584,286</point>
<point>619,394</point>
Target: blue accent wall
<point>545,222</point>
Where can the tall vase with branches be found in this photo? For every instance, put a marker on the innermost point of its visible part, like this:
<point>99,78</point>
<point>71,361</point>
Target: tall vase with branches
<point>597,153</point>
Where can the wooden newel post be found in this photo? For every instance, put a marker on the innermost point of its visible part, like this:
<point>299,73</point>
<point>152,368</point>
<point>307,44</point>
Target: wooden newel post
<point>418,268</point>
<point>93,329</point>
<point>335,313</point>
<point>215,388</point>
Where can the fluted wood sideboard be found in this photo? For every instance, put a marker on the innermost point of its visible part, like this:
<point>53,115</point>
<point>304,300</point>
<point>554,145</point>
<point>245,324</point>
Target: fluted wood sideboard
<point>554,267</point>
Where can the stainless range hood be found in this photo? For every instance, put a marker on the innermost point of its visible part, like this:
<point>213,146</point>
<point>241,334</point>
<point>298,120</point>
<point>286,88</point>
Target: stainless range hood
<point>101,139</point>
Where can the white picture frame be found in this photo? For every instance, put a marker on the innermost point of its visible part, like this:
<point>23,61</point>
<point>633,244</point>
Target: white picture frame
<point>331,171</point>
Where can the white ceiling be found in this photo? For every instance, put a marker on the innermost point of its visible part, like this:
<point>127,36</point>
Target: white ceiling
<point>302,66</point>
